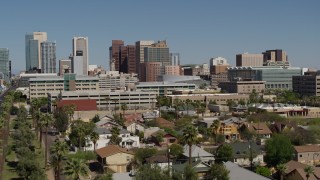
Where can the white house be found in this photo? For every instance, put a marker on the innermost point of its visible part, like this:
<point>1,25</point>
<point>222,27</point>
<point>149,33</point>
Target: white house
<point>133,127</point>
<point>128,141</point>
<point>243,150</point>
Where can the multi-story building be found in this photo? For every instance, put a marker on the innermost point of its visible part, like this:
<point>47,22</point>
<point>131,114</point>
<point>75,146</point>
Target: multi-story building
<point>48,57</point>
<point>206,98</point>
<point>172,70</point>
<point>123,57</point>
<point>115,54</point>
<point>196,70</point>
<point>140,45</point>
<point>215,79</point>
<point>41,86</point>
<point>308,85</point>
<point>65,66</point>
<point>247,59</point>
<point>243,87</point>
<point>5,68</point>
<point>111,100</point>
<point>149,71</point>
<point>164,88</point>
<point>33,50</point>
<point>175,59</point>
<point>80,56</point>
<point>114,80</point>
<point>218,65</point>
<point>275,57</point>
<point>276,77</point>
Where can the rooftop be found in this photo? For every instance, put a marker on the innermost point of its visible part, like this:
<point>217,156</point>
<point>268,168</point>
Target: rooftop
<point>111,150</point>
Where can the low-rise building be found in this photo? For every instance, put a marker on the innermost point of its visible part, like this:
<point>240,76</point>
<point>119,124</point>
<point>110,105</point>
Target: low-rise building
<point>164,88</point>
<point>308,154</point>
<point>242,151</point>
<point>243,87</point>
<point>114,158</point>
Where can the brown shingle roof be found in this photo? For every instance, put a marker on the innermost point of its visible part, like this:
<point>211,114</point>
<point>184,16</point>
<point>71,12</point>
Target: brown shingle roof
<point>111,150</point>
<point>259,128</point>
<point>307,148</point>
<point>164,123</point>
<point>292,165</point>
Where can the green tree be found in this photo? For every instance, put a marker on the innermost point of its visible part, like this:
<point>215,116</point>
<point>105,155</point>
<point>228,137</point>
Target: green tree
<point>76,168</point>
<point>115,139</point>
<point>151,172</point>
<point>124,107</point>
<point>58,151</point>
<point>278,150</point>
<point>103,177</point>
<point>79,131</point>
<point>61,120</point>
<point>94,137</point>
<point>189,173</point>
<point>175,151</point>
<point>308,170</point>
<point>281,168</point>
<point>96,118</point>
<point>69,109</point>
<point>46,120</point>
<point>264,171</point>
<point>219,171</point>
<point>142,154</point>
<point>190,137</point>
<point>223,153</point>
<point>215,127</point>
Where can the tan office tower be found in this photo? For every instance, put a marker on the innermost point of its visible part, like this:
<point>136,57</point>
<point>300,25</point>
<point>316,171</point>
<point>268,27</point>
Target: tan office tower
<point>247,59</point>
<point>80,59</point>
<point>33,49</point>
<point>218,65</point>
<point>275,55</point>
<point>140,45</point>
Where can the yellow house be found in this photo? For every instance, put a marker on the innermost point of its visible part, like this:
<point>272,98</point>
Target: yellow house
<point>229,130</point>
<point>114,158</point>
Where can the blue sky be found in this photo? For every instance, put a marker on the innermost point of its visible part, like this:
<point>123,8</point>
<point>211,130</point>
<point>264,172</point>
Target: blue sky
<point>198,30</point>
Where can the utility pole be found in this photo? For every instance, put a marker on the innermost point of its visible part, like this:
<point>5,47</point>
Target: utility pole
<point>251,158</point>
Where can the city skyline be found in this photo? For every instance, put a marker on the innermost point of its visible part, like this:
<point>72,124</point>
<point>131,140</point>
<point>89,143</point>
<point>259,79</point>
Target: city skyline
<point>197,30</point>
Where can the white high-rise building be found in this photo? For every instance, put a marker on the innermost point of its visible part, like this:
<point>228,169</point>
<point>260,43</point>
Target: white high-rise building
<point>48,57</point>
<point>80,56</point>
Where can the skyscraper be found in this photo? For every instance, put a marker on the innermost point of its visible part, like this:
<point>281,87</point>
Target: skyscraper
<point>123,57</point>
<point>140,45</point>
<point>175,59</point>
<point>64,66</point>
<point>48,57</point>
<point>5,70</point>
<point>33,51</point>
<point>80,55</point>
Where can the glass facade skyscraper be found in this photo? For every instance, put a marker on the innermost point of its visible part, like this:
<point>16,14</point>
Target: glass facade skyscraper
<point>33,52</point>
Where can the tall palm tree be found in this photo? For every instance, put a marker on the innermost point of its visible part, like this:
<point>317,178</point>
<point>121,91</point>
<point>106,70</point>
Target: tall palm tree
<point>215,127</point>
<point>308,170</point>
<point>281,169</point>
<point>75,168</point>
<point>46,120</point>
<point>58,151</point>
<point>115,105</point>
<point>190,137</point>
<point>188,102</point>
<point>94,137</point>
<point>124,107</point>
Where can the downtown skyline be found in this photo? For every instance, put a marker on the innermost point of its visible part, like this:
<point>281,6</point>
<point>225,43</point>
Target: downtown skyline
<point>198,30</point>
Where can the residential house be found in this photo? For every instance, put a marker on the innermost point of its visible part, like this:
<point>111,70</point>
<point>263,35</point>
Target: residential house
<point>160,160</point>
<point>114,158</point>
<point>163,123</point>
<point>200,167</point>
<point>307,154</point>
<point>197,153</point>
<point>229,129</point>
<point>163,138</point>
<point>261,130</point>
<point>295,171</point>
<point>134,127</point>
<point>107,123</point>
<point>207,121</point>
<point>127,141</point>
<point>239,173</point>
<point>279,127</point>
<point>241,152</point>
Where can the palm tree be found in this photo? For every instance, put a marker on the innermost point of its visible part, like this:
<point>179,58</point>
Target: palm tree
<point>75,168</point>
<point>124,107</point>
<point>94,137</point>
<point>107,103</point>
<point>190,137</point>
<point>215,127</point>
<point>188,102</point>
<point>308,170</point>
<point>115,105</point>
<point>281,169</point>
<point>58,151</point>
<point>46,120</point>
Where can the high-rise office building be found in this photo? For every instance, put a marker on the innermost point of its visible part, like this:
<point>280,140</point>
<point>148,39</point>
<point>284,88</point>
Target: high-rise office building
<point>5,70</point>
<point>275,55</point>
<point>140,45</point>
<point>175,59</point>
<point>48,57</point>
<point>247,59</point>
<point>33,50</point>
<point>123,57</point>
<point>218,65</point>
<point>80,56</point>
